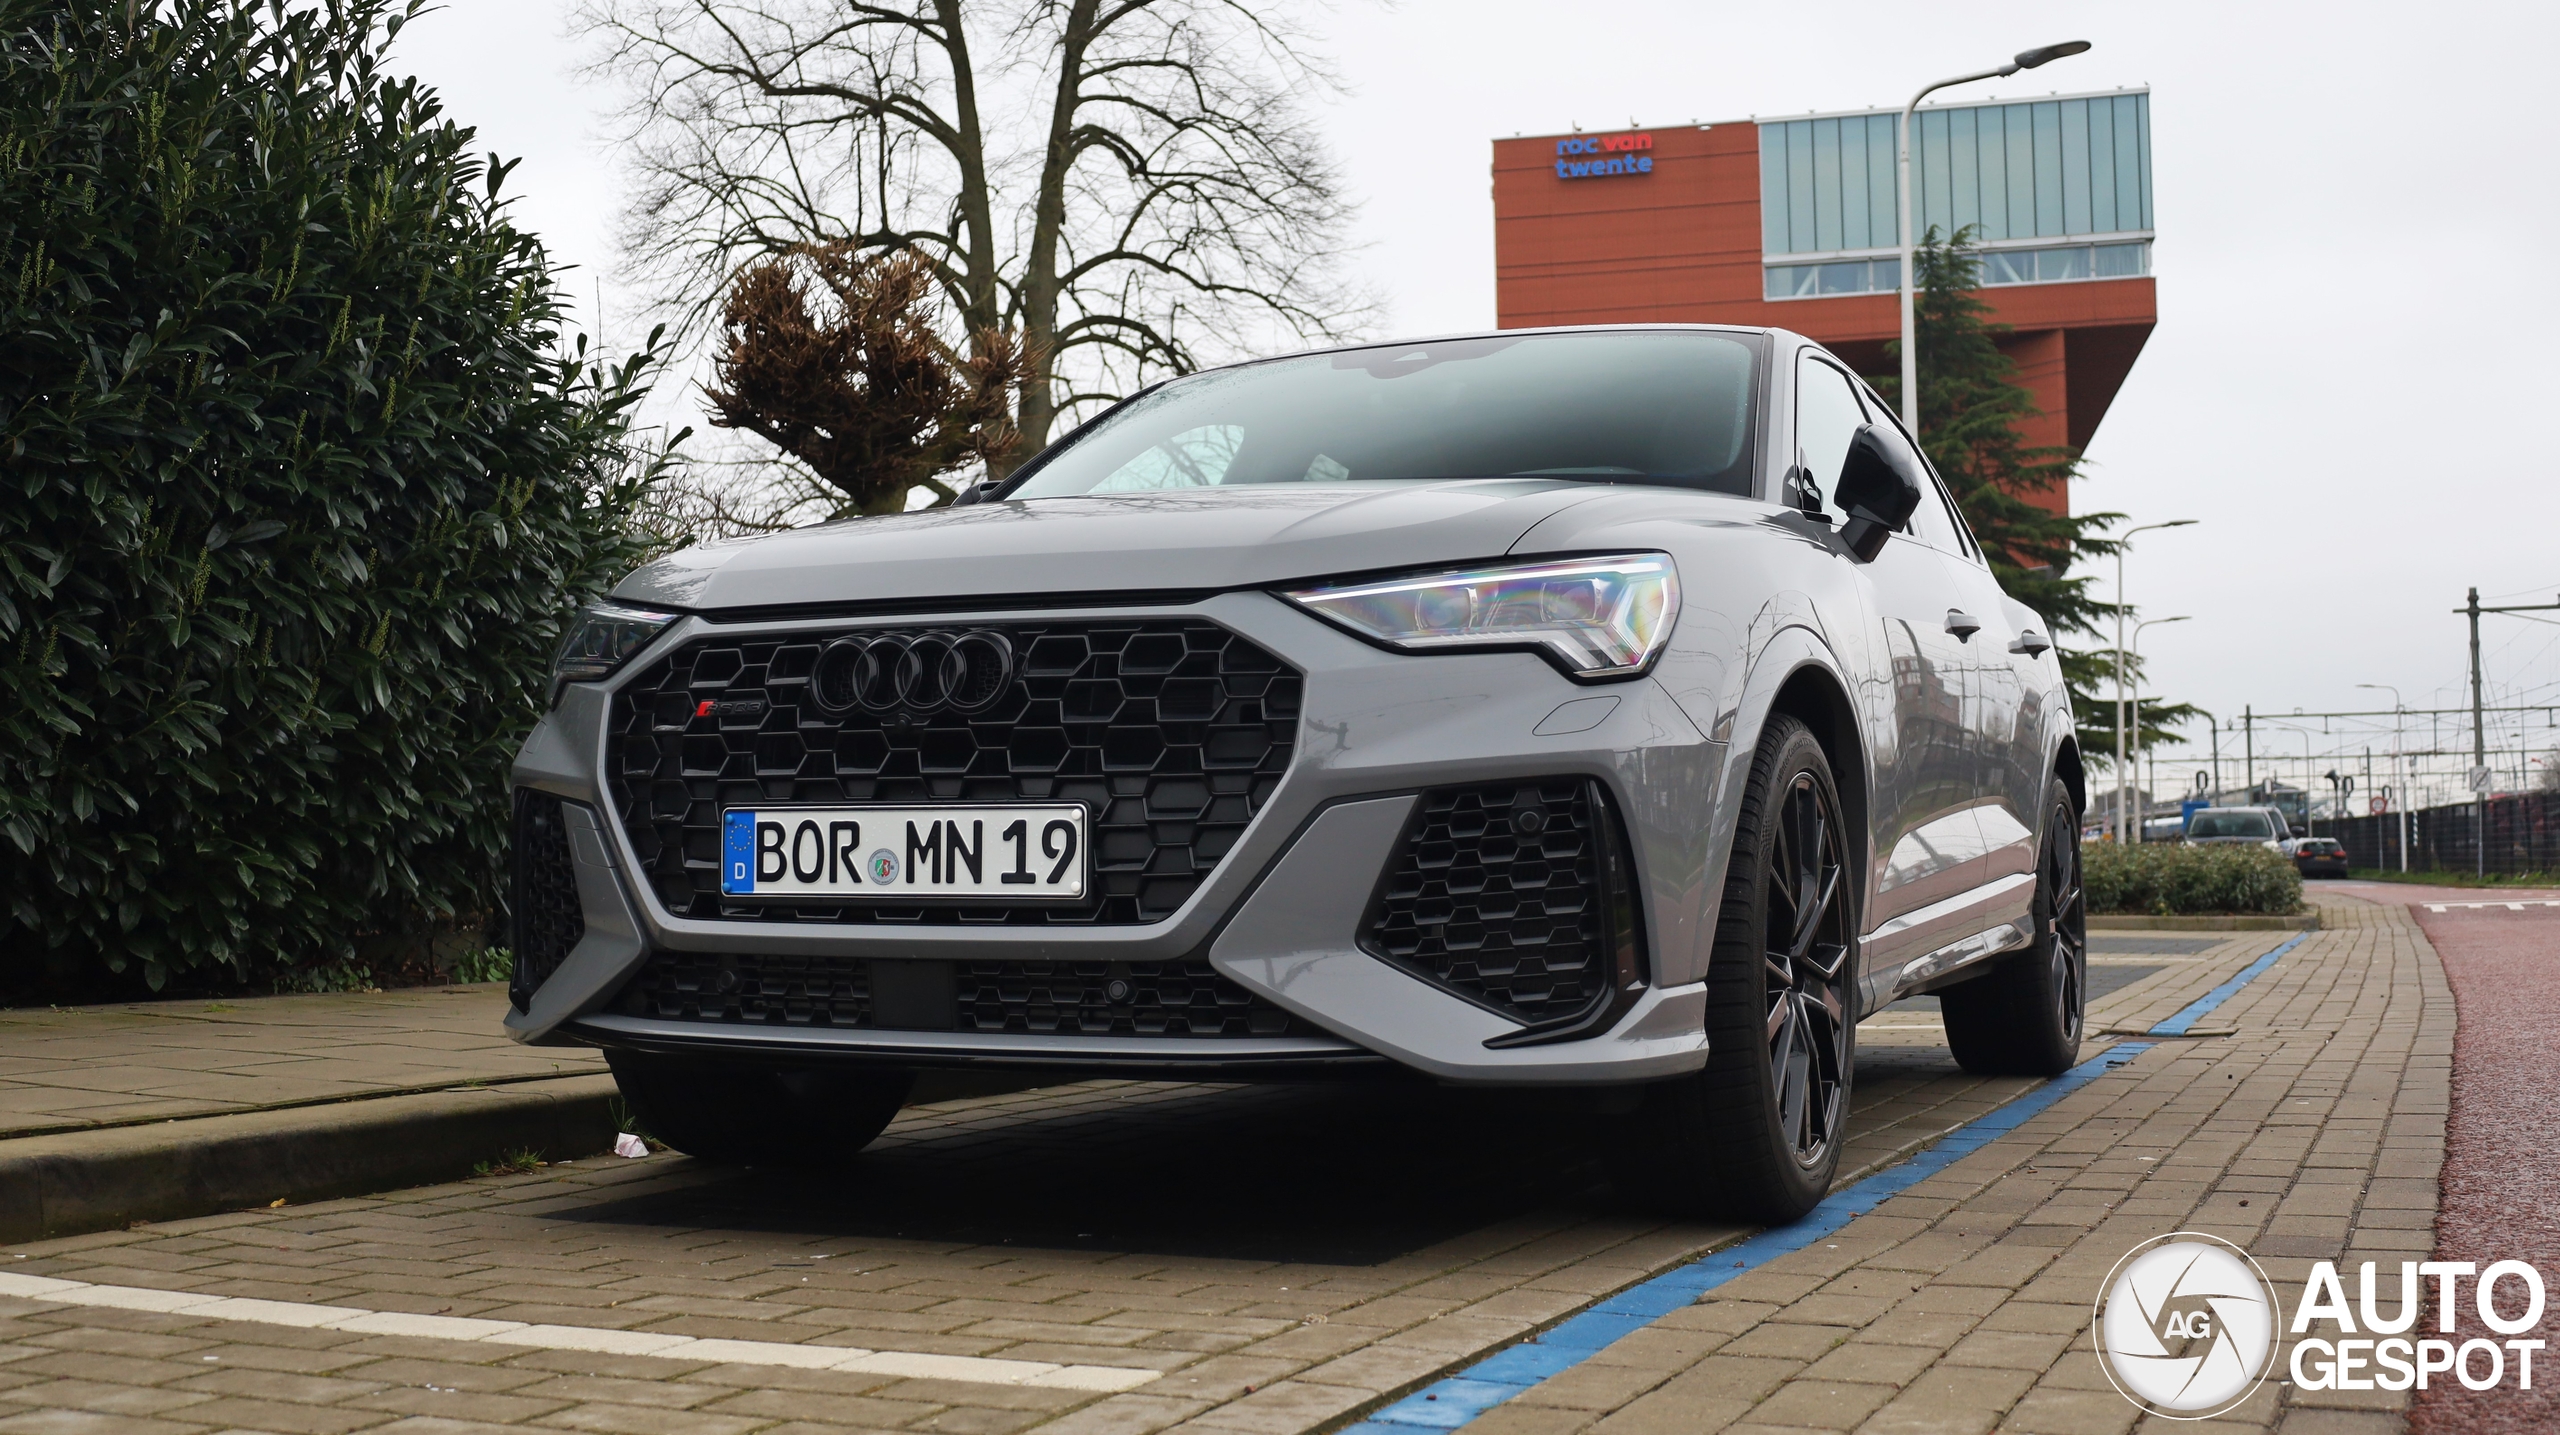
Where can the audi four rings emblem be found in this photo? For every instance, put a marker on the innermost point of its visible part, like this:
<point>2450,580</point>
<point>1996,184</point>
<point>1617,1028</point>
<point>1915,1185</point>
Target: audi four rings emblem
<point>912,672</point>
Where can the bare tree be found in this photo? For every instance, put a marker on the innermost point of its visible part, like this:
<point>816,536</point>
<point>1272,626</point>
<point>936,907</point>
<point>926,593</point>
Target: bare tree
<point>1125,185</point>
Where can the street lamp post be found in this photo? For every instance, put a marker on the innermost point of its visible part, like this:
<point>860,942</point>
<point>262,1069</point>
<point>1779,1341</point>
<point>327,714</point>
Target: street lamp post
<point>2121,679</point>
<point>2024,60</point>
<point>2137,708</point>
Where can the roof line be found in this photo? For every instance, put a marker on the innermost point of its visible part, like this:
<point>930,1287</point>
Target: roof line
<point>1847,114</point>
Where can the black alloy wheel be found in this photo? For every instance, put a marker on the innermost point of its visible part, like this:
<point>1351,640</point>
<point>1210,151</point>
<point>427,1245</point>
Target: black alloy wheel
<point>1805,944</point>
<point>2025,1017</point>
<point>1756,1135</point>
<point>2065,920</point>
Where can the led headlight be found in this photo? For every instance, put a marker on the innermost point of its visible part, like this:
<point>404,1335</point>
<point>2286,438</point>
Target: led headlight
<point>600,639</point>
<point>1592,617</point>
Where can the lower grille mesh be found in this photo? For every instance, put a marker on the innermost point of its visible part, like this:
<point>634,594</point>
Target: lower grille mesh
<point>1185,998</point>
<point>543,894</point>
<point>1497,895</point>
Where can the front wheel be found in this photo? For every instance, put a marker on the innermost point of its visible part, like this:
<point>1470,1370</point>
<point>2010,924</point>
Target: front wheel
<point>2024,1017</point>
<point>1757,1134</point>
<point>745,1114</point>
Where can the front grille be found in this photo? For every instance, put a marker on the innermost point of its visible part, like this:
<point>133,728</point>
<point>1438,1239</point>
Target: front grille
<point>1172,732</point>
<point>1091,998</point>
<point>1501,893</point>
<point>543,894</point>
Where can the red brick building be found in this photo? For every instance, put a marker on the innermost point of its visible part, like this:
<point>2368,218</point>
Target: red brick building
<point>1792,223</point>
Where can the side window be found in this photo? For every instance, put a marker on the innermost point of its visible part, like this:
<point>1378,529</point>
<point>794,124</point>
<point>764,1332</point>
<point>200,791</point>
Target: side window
<point>1827,417</point>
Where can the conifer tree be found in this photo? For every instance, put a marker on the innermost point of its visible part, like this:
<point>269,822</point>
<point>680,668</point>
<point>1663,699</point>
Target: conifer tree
<point>1971,409</point>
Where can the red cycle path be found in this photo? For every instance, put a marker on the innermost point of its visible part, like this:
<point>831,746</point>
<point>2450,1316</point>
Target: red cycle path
<point>2501,1187</point>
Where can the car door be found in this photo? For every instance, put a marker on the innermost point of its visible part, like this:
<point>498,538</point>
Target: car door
<point>1926,839</point>
<point>2003,759</point>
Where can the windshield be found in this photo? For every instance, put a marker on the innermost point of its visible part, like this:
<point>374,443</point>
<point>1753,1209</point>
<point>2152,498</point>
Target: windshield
<point>1639,406</point>
<point>2232,824</point>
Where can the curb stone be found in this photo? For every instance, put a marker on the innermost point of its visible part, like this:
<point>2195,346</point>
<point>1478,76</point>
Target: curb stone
<point>2309,922</point>
<point>76,1182</point>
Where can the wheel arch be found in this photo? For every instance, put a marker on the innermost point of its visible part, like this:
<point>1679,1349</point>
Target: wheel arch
<point>1812,695</point>
<point>2067,766</point>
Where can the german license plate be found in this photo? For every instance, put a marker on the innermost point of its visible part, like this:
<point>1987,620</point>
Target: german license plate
<point>1015,851</point>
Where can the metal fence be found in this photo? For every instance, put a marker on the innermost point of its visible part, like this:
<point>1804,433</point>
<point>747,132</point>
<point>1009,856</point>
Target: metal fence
<point>2504,834</point>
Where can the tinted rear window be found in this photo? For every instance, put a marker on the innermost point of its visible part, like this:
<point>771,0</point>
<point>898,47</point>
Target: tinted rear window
<point>1644,406</point>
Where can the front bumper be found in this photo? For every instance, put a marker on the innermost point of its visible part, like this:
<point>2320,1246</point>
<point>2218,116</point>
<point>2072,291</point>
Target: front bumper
<point>1280,916</point>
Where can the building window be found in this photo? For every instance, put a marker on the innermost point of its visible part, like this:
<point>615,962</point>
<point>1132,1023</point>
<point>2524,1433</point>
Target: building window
<point>2051,264</point>
<point>1854,276</point>
<point>2043,169</point>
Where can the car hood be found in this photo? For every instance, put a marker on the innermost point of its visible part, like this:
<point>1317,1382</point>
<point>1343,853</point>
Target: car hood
<point>1118,543</point>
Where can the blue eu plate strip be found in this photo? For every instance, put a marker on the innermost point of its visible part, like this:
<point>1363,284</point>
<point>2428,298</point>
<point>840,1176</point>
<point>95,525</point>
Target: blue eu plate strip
<point>737,852</point>
<point>1450,1403</point>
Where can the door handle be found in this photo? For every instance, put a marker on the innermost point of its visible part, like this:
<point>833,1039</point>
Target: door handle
<point>2030,642</point>
<point>1964,625</point>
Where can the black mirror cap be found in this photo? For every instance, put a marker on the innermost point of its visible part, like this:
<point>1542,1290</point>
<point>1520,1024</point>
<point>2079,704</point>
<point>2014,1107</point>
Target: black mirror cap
<point>1880,488</point>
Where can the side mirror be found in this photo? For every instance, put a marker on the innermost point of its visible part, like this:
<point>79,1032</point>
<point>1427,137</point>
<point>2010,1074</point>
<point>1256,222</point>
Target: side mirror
<point>1880,488</point>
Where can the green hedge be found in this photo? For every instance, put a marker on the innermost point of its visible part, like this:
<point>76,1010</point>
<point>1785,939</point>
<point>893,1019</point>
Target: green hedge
<point>2166,879</point>
<point>296,484</point>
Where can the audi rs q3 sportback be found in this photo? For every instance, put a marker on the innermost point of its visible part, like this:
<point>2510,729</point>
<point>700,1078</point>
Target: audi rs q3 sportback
<point>1625,709</point>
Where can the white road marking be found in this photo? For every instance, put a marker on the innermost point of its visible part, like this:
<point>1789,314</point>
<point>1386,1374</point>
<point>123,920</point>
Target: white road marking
<point>2475,906</point>
<point>973,1368</point>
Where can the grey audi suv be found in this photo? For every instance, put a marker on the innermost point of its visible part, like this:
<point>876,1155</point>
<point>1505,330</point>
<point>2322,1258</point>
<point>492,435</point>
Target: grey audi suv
<point>1621,708</point>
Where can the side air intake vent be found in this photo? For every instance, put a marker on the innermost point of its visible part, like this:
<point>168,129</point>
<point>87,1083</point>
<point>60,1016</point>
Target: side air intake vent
<point>543,894</point>
<point>1517,896</point>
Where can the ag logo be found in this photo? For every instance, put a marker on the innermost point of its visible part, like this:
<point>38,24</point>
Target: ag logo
<point>2186,1325</point>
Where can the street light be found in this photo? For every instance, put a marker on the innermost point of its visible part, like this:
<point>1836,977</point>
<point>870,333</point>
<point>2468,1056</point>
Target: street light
<point>2137,708</point>
<point>2024,60</point>
<point>2121,543</point>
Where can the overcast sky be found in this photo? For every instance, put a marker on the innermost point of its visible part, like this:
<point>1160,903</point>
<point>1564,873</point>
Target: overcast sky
<point>2357,269</point>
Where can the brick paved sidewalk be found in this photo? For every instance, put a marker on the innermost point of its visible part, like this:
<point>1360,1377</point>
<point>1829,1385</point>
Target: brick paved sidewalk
<point>77,1068</point>
<point>1283,1259</point>
<point>2316,1132</point>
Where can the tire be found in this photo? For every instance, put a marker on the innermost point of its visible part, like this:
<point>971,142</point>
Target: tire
<point>2025,1017</point>
<point>1756,1135</point>
<point>736,1114</point>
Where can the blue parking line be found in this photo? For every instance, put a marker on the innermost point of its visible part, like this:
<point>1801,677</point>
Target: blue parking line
<point>2180,1024</point>
<point>1452,1402</point>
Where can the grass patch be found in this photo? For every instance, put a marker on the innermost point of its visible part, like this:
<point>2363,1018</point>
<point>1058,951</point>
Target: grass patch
<point>2172,879</point>
<point>518,1162</point>
<point>2457,879</point>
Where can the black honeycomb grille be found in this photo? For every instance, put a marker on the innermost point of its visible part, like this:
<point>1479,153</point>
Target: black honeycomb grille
<point>1173,733</point>
<point>1497,894</point>
<point>1092,998</point>
<point>543,894</point>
